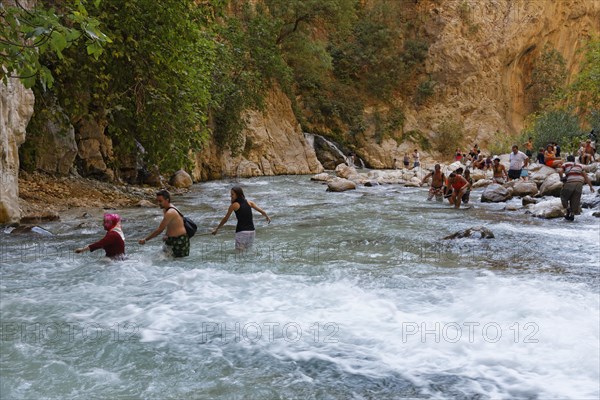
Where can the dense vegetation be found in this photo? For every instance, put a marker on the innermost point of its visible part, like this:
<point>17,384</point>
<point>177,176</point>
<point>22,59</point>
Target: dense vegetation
<point>170,76</point>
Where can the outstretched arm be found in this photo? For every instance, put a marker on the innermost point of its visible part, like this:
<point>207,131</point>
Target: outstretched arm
<point>166,219</point>
<point>260,210</point>
<point>225,218</point>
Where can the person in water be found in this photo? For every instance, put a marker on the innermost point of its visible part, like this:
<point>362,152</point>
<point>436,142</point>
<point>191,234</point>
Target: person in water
<point>244,230</point>
<point>570,194</point>
<point>459,187</point>
<point>176,239</point>
<point>437,183</point>
<point>467,195</point>
<point>113,242</point>
<point>518,161</point>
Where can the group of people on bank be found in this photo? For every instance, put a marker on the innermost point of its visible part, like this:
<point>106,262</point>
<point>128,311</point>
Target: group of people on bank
<point>176,238</point>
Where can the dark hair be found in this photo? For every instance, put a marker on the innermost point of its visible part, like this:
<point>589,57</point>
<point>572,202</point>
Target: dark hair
<point>452,174</point>
<point>238,192</point>
<point>459,169</point>
<point>164,194</point>
<point>571,158</point>
<point>496,159</point>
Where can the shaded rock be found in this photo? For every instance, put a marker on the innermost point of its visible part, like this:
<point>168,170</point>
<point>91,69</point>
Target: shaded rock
<point>94,149</point>
<point>322,177</point>
<point>548,209</point>
<point>371,183</point>
<point>551,186</point>
<point>145,204</point>
<point>477,231</point>
<point>44,216</point>
<point>340,185</point>
<point>511,207</point>
<point>529,200</point>
<point>540,175</point>
<point>482,183</point>
<point>328,153</point>
<point>591,201</point>
<point>596,214</point>
<point>345,171</point>
<point>495,193</point>
<point>522,188</point>
<point>181,179</point>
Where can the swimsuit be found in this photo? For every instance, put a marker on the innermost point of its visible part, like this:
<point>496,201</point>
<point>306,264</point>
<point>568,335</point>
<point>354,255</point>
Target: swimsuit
<point>179,245</point>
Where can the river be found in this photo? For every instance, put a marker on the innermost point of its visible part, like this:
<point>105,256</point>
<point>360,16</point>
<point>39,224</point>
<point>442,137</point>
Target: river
<point>345,295</point>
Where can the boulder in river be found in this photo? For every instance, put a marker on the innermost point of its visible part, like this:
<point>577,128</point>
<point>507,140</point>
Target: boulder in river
<point>523,188</point>
<point>481,231</point>
<point>590,201</point>
<point>345,171</point>
<point>482,183</point>
<point>322,177</point>
<point>540,175</point>
<point>29,229</point>
<point>551,186</point>
<point>496,193</point>
<point>340,185</point>
<point>548,209</point>
<point>529,200</point>
<point>181,179</point>
<point>371,183</point>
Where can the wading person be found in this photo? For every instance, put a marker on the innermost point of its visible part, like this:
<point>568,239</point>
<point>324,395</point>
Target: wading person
<point>459,187</point>
<point>467,195</point>
<point>244,230</point>
<point>437,183</point>
<point>518,160</point>
<point>113,242</point>
<point>499,172</point>
<point>176,239</point>
<point>570,195</point>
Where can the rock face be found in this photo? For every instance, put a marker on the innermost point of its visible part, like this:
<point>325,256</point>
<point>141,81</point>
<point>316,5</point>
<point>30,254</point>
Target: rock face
<point>94,149</point>
<point>495,193</point>
<point>329,154</point>
<point>273,144</point>
<point>16,108</point>
<point>50,146</point>
<point>181,179</point>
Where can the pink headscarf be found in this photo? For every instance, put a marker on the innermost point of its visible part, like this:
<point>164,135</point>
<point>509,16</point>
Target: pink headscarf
<point>111,221</point>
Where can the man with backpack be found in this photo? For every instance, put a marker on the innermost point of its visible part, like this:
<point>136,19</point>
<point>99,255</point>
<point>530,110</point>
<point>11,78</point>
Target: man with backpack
<point>177,239</point>
<point>573,180</point>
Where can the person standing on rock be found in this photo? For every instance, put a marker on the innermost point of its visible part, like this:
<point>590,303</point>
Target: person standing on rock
<point>406,160</point>
<point>529,147</point>
<point>499,172</point>
<point>244,230</point>
<point>176,240</point>
<point>570,194</point>
<point>416,157</point>
<point>437,183</point>
<point>518,160</point>
<point>459,187</point>
<point>113,242</point>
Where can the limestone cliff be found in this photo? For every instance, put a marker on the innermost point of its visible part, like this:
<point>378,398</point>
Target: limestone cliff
<point>481,57</point>
<point>16,108</point>
<point>273,144</point>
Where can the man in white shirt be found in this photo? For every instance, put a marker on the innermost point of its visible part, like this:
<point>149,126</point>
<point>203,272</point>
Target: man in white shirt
<point>518,160</point>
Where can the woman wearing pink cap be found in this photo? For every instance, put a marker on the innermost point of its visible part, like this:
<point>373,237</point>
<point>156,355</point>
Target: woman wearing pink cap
<point>114,241</point>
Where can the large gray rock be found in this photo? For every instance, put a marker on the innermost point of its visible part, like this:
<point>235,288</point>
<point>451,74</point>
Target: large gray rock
<point>551,186</point>
<point>181,179</point>
<point>496,193</point>
<point>541,173</point>
<point>340,185</point>
<point>522,188</point>
<point>16,108</point>
<point>529,200</point>
<point>548,209</point>
<point>322,177</point>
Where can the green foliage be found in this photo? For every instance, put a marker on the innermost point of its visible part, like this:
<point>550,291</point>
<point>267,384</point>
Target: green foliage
<point>26,35</point>
<point>425,90</point>
<point>585,91</point>
<point>503,142</point>
<point>560,126</point>
<point>449,135</point>
<point>548,77</point>
<point>419,138</point>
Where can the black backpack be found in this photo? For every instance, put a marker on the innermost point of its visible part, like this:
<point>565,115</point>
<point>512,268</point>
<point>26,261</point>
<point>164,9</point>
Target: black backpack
<point>190,226</point>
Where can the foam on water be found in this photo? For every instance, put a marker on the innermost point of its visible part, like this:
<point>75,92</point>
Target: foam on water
<point>360,316</point>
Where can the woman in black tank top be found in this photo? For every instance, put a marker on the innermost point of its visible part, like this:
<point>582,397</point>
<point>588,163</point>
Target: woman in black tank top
<point>244,229</point>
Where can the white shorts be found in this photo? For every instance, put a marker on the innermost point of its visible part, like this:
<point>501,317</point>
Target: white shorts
<point>244,239</point>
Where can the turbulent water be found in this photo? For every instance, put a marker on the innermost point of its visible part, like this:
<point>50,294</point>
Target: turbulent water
<point>345,295</point>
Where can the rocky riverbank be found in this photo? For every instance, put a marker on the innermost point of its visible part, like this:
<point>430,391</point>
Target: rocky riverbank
<point>538,194</point>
